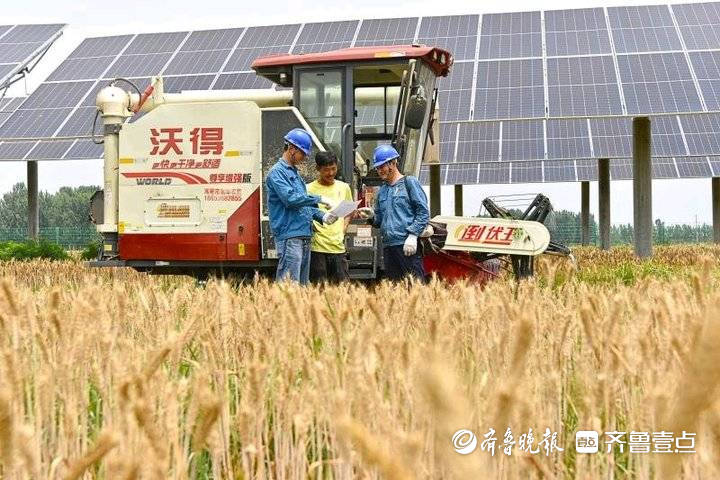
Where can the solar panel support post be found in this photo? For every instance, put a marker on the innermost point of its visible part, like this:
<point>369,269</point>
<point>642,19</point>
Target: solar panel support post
<point>585,213</point>
<point>642,187</point>
<point>604,202</point>
<point>434,190</point>
<point>716,208</point>
<point>458,200</point>
<point>33,206</point>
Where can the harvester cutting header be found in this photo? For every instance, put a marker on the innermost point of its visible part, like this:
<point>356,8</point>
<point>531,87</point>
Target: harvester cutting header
<point>183,178</point>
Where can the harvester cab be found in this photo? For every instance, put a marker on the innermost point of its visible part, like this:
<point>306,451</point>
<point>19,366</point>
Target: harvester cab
<point>184,172</point>
<point>356,99</point>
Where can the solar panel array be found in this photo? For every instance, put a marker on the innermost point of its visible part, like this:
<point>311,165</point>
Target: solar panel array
<point>21,44</point>
<point>570,170</point>
<point>8,105</point>
<point>549,88</point>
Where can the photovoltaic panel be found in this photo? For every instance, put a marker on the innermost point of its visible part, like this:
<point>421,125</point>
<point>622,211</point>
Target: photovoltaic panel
<point>209,40</point>
<point>34,123</point>
<point>667,138</point>
<point>270,35</point>
<point>79,123</point>
<point>461,174</point>
<point>559,171</point>
<point>259,41</point>
<point>31,33</point>
<point>643,29</point>
<point>326,36</point>
<point>526,172</point>
<point>715,164</point>
<point>580,86</point>
<point>10,104</point>
<point>454,93</point>
<point>101,47</point>
<point>587,170</point>
<point>478,142</point>
<point>80,69</point>
<point>494,173</point>
<point>456,34</point>
<point>188,63</point>
<point>242,58</point>
<point>6,69</point>
<point>231,81</point>
<point>18,52</point>
<point>698,24</point>
<point>138,65</point>
<point>693,167</point>
<point>568,138</point>
<point>387,31</point>
<point>448,133</point>
<point>663,167</point>
<point>702,133</point>
<point>57,95</point>
<point>84,149</point>
<point>14,150</point>
<point>192,82</point>
<point>146,43</point>
<point>621,169</point>
<point>509,89</point>
<point>658,83</point>
<point>576,32</point>
<point>50,150</point>
<point>511,35</point>
<point>523,140</point>
<point>612,137</point>
<point>707,70</point>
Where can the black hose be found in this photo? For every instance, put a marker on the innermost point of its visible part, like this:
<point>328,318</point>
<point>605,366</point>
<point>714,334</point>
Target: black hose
<point>121,79</point>
<point>92,132</point>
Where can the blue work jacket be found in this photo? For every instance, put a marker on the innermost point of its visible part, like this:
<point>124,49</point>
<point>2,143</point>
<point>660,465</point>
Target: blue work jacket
<point>401,209</point>
<point>290,207</point>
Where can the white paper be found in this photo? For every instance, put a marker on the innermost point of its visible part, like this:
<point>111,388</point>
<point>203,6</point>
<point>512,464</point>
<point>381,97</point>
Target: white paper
<point>345,208</point>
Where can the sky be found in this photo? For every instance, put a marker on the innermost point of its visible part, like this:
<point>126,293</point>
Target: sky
<point>674,201</point>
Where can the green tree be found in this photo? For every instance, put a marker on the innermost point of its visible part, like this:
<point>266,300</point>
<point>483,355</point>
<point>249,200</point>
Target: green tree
<point>68,208</point>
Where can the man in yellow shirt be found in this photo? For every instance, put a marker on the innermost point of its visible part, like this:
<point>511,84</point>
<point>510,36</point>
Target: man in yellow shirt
<point>328,261</point>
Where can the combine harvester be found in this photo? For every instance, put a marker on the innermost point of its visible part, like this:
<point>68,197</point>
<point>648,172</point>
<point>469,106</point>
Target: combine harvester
<point>183,179</point>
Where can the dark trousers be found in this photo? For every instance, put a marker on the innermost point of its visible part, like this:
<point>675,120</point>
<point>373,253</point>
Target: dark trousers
<point>328,267</point>
<point>398,266</point>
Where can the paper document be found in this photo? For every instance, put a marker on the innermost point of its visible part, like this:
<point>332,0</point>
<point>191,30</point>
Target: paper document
<point>345,208</point>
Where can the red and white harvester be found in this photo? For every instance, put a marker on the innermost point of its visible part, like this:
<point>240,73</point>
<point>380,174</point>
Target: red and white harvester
<point>184,172</point>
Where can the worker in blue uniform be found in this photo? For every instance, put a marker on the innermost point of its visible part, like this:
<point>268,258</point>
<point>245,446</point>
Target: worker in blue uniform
<point>292,210</point>
<point>402,214</point>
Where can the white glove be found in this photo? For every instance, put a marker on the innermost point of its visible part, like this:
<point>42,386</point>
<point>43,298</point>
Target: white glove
<point>410,246</point>
<point>329,218</point>
<point>366,213</point>
<point>326,202</point>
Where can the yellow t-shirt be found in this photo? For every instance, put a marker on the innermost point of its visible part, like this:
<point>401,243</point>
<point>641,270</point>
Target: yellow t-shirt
<point>329,238</point>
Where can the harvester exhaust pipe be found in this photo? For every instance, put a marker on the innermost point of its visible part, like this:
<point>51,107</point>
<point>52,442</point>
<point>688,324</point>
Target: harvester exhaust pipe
<point>113,105</point>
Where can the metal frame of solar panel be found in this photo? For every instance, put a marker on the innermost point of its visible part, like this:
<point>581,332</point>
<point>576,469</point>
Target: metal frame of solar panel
<point>21,46</point>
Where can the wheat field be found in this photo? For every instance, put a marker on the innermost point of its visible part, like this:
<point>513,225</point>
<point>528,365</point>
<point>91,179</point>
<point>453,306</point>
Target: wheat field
<point>117,375</point>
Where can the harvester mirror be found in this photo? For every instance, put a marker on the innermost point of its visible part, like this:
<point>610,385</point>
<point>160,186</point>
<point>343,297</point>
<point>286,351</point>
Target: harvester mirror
<point>415,116</point>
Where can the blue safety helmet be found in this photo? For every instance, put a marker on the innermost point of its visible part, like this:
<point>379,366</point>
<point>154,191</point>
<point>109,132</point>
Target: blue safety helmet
<point>384,154</point>
<point>300,139</point>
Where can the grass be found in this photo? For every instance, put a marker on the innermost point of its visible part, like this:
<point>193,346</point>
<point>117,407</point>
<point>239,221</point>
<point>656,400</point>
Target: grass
<point>114,374</point>
<point>32,249</point>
